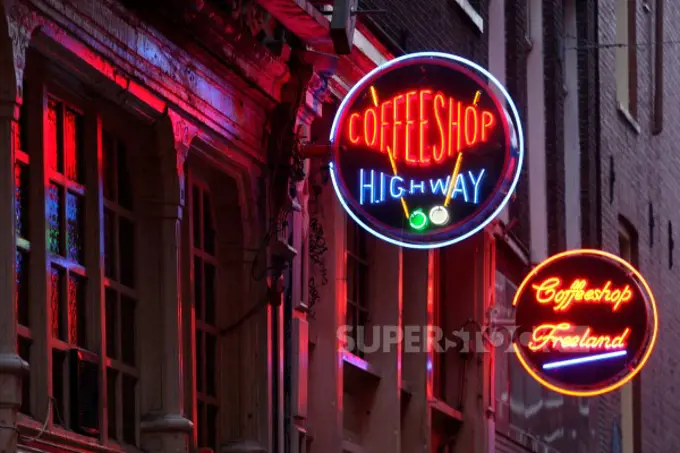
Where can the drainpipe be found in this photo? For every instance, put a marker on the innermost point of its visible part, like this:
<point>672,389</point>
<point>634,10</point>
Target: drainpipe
<point>286,171</point>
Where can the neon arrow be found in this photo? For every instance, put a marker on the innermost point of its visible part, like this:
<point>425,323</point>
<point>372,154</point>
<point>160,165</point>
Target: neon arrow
<point>587,359</point>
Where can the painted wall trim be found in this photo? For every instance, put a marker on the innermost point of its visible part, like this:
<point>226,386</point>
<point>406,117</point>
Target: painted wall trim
<point>471,13</point>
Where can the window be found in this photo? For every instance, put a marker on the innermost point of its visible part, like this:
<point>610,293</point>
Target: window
<point>626,56</point>
<point>204,269</point>
<point>75,295</point>
<point>630,393</point>
<point>357,286</point>
<point>120,297</point>
<point>65,196</point>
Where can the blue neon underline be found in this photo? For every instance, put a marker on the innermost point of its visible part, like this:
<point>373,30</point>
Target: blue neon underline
<point>579,360</point>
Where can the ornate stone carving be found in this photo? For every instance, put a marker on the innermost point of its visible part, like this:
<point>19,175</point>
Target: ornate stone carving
<point>22,22</point>
<point>176,134</point>
<point>252,17</point>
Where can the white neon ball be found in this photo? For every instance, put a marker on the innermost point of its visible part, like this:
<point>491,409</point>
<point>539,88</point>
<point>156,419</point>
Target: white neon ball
<point>439,215</point>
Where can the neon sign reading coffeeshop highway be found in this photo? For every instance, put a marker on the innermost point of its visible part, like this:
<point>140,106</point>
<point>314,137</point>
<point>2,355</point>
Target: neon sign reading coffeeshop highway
<point>587,322</point>
<point>427,150</point>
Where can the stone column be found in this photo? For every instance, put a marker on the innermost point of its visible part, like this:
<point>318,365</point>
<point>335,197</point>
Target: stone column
<point>167,428</point>
<point>13,43</point>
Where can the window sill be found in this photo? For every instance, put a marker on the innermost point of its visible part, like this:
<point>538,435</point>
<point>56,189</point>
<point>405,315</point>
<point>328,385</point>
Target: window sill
<point>471,14</point>
<point>61,438</point>
<point>351,447</point>
<point>360,364</point>
<point>628,118</point>
<point>445,416</point>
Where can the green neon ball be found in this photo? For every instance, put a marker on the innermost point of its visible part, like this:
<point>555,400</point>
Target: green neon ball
<point>418,220</point>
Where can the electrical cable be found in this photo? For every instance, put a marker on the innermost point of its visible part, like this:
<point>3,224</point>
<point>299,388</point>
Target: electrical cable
<point>29,440</point>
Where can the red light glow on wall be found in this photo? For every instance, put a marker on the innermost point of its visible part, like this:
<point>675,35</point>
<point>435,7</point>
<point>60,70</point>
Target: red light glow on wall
<point>587,322</point>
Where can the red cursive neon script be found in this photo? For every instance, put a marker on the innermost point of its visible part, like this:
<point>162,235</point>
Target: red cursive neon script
<point>563,337</point>
<point>550,291</point>
<point>421,127</point>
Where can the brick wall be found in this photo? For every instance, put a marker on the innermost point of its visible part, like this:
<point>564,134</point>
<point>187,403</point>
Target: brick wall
<point>430,25</point>
<point>646,169</point>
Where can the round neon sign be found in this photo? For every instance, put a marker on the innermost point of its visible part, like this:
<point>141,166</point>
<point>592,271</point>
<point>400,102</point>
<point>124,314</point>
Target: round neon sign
<point>587,322</point>
<point>426,150</point>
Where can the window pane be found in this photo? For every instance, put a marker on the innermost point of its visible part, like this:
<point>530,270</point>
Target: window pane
<point>127,251</point>
<point>21,195</point>
<point>198,287</point>
<point>209,293</point>
<point>111,381</point>
<point>129,410</point>
<point>110,244</point>
<point>74,235</point>
<point>210,358</point>
<point>111,323</point>
<point>208,227</point>
<point>124,181</point>
<point>24,349</point>
<point>58,358</point>
<point>77,316</point>
<point>54,202</point>
<point>127,329</point>
<point>22,288</point>
<point>196,213</point>
<point>23,128</point>
<point>351,236</point>
<point>200,361</point>
<point>56,303</point>
<point>351,279</point>
<point>109,166</point>
<point>53,149</point>
<point>76,312</point>
<point>201,425</point>
<point>212,427</point>
<point>73,145</point>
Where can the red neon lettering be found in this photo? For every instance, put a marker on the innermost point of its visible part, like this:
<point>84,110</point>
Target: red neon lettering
<point>397,124</point>
<point>549,292</point>
<point>384,124</point>
<point>439,152</point>
<point>422,124</point>
<point>407,127</point>
<point>470,141</point>
<point>354,139</point>
<point>487,123</point>
<point>410,122</point>
<point>563,337</point>
<point>452,126</point>
<point>372,125</point>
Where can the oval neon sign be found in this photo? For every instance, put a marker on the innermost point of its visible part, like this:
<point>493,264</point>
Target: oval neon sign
<point>587,322</point>
<point>426,150</point>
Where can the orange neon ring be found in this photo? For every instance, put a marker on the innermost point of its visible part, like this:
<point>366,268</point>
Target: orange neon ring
<point>650,345</point>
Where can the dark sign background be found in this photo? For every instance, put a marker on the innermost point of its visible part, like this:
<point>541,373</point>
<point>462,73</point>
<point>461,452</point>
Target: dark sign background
<point>496,156</point>
<point>635,314</point>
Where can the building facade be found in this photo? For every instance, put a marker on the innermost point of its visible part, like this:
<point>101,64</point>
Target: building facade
<point>179,275</point>
<point>146,148</point>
